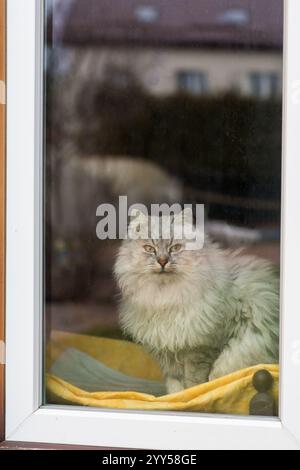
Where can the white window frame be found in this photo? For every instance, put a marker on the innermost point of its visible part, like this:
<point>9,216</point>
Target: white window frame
<point>26,420</point>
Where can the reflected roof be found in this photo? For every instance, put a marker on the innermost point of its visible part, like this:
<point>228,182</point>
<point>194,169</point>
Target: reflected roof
<point>192,23</point>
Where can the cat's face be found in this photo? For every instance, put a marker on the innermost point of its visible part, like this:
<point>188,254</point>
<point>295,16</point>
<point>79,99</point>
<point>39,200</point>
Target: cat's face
<point>155,258</point>
<point>161,257</point>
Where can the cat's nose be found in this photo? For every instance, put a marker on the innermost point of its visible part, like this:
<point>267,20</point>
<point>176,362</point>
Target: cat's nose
<point>163,261</point>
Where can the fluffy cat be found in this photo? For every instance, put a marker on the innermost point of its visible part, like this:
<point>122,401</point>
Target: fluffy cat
<point>202,314</point>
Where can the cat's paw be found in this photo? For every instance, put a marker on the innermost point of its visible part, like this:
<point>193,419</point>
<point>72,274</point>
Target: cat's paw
<point>214,375</point>
<point>174,386</point>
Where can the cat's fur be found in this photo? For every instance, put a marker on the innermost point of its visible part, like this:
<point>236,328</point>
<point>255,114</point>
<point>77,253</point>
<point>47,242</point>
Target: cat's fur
<point>206,314</point>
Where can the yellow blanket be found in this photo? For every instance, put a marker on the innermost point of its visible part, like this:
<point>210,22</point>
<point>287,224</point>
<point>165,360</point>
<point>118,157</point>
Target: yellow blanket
<point>227,395</point>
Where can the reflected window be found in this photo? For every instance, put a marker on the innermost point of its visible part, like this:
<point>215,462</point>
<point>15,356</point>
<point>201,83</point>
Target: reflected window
<point>146,13</point>
<point>192,82</point>
<point>235,16</point>
<point>265,85</point>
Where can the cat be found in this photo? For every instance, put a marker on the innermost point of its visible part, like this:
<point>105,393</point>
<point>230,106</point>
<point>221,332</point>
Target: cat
<point>202,314</point>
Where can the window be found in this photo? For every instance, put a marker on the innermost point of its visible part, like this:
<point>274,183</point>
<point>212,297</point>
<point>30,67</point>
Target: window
<point>265,85</point>
<point>62,298</point>
<point>235,16</point>
<point>116,152</point>
<point>146,13</point>
<point>192,82</point>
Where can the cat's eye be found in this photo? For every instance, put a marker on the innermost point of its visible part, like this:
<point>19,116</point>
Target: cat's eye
<point>149,249</point>
<point>175,248</point>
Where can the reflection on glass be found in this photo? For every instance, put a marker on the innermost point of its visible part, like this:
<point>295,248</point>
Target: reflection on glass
<point>161,101</point>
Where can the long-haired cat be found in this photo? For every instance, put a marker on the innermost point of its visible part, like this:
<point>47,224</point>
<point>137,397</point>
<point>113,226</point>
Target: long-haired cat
<point>202,314</point>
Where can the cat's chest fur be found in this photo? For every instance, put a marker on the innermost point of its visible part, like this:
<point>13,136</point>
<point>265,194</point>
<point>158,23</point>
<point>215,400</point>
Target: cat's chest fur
<point>174,318</point>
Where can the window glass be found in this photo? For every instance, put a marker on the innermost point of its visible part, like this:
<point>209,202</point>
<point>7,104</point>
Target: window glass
<point>162,204</point>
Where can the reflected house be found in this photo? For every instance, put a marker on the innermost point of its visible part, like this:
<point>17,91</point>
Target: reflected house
<point>200,47</point>
<point>167,47</point>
